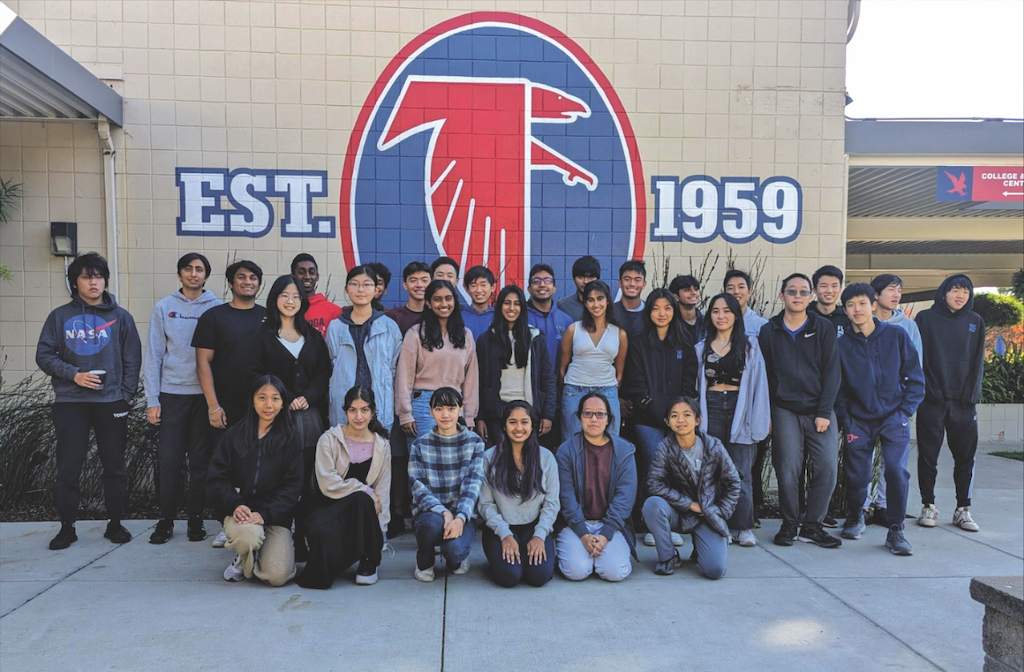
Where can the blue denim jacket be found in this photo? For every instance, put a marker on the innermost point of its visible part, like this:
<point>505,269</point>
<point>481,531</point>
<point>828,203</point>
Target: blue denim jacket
<point>382,347</point>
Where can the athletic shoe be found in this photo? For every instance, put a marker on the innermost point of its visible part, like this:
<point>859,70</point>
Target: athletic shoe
<point>787,533</point>
<point>829,522</point>
<point>853,528</point>
<point>424,575</point>
<point>897,543</point>
<point>196,531</point>
<point>366,575</point>
<point>117,533</point>
<point>463,568</point>
<point>677,539</point>
<point>962,519</point>
<point>812,534</point>
<point>64,538</point>
<point>746,539</point>
<point>929,516</point>
<point>233,572</point>
<point>163,532</point>
<point>220,540</point>
<point>668,567</point>
<point>878,517</point>
<point>648,539</point>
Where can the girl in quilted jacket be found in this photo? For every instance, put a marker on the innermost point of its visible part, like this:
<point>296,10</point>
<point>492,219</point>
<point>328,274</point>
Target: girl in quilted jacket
<point>694,488</point>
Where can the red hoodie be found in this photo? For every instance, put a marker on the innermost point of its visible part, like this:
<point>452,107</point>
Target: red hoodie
<point>321,312</point>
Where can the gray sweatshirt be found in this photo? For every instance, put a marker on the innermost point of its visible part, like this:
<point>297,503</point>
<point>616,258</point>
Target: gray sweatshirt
<point>170,357</point>
<point>79,337</point>
<point>900,318</point>
<point>499,511</point>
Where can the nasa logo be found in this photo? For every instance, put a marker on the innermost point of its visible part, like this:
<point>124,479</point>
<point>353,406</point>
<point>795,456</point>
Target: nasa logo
<point>87,334</point>
<point>493,139</point>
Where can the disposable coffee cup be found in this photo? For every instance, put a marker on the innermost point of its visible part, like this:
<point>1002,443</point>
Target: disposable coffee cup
<point>103,377</point>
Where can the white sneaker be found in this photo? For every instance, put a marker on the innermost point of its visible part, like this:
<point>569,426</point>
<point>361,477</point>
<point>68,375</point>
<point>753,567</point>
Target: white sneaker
<point>424,575</point>
<point>366,580</point>
<point>233,572</point>
<point>746,538</point>
<point>929,516</point>
<point>962,519</point>
<point>463,568</point>
<point>220,540</point>
<point>677,539</point>
<point>648,539</point>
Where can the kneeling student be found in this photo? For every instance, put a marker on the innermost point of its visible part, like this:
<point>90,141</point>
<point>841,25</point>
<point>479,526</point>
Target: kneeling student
<point>350,508</point>
<point>597,489</point>
<point>882,386</point>
<point>254,480</point>
<point>446,471</point>
<point>519,502</point>
<point>694,489</point>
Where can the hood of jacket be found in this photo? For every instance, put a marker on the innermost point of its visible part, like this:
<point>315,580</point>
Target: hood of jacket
<point>206,297</point>
<point>940,295</point>
<point>346,317</point>
<point>107,302</point>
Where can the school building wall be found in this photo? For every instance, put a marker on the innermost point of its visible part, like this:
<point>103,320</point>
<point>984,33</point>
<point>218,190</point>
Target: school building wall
<point>723,89</point>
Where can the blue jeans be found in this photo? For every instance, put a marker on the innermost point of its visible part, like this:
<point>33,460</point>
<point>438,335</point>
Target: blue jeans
<point>429,529</point>
<point>721,411</point>
<point>711,547</point>
<point>507,575</point>
<point>571,395</point>
<point>647,440</point>
<point>893,435</point>
<point>421,412</point>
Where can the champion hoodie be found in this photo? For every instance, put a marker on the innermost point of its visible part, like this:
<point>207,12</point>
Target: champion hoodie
<point>77,337</point>
<point>953,346</point>
<point>803,372</point>
<point>170,358</point>
<point>881,374</point>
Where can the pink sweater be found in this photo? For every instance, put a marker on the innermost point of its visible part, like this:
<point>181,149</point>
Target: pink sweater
<point>420,369</point>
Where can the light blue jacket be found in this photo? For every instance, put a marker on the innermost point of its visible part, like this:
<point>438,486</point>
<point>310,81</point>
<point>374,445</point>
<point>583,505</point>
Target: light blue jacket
<point>382,346</point>
<point>753,410</point>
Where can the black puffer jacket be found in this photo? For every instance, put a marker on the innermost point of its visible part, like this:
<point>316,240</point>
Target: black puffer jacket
<point>718,488</point>
<point>267,484</point>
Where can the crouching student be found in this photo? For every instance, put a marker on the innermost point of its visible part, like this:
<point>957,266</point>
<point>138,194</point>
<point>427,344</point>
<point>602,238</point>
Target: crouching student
<point>350,507</point>
<point>694,488</point>
<point>254,480</point>
<point>597,488</point>
<point>882,386</point>
<point>519,502</point>
<point>446,469</point>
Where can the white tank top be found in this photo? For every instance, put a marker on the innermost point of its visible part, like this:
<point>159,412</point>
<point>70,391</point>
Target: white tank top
<point>593,366</point>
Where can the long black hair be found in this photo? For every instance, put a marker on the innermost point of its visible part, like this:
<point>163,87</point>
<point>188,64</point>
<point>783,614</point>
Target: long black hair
<point>676,336</point>
<point>520,330</point>
<point>738,341</point>
<point>502,472</point>
<point>366,394</point>
<point>609,313</point>
<point>282,429</point>
<point>431,335</point>
<point>273,321</point>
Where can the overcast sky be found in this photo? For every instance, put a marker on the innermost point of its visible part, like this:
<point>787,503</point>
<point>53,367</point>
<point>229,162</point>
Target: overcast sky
<point>937,58</point>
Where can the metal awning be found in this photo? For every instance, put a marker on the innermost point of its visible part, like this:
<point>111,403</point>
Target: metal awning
<point>40,81</point>
<point>909,191</point>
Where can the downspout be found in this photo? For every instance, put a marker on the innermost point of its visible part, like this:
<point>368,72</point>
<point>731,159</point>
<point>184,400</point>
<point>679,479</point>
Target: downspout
<point>110,201</point>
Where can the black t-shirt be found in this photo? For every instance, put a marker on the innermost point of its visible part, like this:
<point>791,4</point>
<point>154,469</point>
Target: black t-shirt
<point>227,331</point>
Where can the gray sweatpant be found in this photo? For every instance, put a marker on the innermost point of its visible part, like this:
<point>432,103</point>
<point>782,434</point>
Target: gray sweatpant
<point>794,435</point>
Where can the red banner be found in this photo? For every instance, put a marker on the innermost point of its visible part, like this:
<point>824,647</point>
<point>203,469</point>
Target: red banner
<point>998,183</point>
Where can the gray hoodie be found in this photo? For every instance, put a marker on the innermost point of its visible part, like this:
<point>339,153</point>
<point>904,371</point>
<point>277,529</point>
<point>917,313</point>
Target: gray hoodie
<point>170,357</point>
<point>78,337</point>
<point>900,318</point>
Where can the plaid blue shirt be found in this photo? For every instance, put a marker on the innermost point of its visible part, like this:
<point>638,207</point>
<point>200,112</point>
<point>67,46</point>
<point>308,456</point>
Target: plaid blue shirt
<point>446,473</point>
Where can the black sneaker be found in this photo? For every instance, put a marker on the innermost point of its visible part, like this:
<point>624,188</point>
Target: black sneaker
<point>196,531</point>
<point>668,567</point>
<point>396,527</point>
<point>163,532</point>
<point>64,538</point>
<point>117,533</point>
<point>813,534</point>
<point>878,517</point>
<point>829,522</point>
<point>366,575</point>
<point>787,533</point>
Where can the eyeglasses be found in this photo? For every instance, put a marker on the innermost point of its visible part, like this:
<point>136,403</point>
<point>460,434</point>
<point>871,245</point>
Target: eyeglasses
<point>596,415</point>
<point>362,285</point>
<point>542,281</point>
<point>290,298</point>
<point>804,293</point>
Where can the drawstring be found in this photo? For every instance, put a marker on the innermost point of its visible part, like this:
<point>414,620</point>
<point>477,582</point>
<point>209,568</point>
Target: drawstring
<point>388,548</point>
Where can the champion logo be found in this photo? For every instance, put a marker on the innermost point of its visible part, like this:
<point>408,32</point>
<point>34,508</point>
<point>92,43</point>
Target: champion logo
<point>489,138</point>
<point>178,316</point>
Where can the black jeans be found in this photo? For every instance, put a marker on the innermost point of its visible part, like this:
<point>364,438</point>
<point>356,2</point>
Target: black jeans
<point>959,422</point>
<point>507,575</point>
<point>72,420</point>
<point>183,431</point>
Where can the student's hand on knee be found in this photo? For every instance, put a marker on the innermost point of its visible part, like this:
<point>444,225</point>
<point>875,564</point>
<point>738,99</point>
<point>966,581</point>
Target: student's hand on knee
<point>510,550</point>
<point>821,424</point>
<point>255,519</point>
<point>535,551</point>
<point>600,541</point>
<point>409,428</point>
<point>153,415</point>
<point>453,529</point>
<point>545,427</point>
<point>242,514</point>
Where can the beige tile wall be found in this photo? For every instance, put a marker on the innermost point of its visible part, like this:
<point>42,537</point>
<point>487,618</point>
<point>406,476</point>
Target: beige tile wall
<point>719,87</point>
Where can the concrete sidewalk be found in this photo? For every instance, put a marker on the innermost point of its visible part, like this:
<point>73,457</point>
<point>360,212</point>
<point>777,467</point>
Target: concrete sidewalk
<point>97,606</point>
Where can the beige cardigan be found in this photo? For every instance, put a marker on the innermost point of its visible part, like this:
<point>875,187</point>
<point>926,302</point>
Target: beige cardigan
<point>332,462</point>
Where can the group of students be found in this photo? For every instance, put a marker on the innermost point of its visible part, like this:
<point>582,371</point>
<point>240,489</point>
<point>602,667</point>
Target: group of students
<point>316,431</point>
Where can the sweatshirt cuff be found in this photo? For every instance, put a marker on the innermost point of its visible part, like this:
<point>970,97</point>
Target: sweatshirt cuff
<point>405,419</point>
<point>608,531</point>
<point>153,401</point>
<point>541,531</point>
<point>580,529</point>
<point>503,530</point>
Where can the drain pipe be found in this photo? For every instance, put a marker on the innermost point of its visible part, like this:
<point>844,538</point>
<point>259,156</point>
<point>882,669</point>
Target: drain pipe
<point>110,201</point>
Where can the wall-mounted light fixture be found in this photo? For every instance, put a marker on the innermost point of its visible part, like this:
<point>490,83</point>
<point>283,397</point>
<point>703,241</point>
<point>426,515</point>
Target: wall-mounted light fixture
<point>64,239</point>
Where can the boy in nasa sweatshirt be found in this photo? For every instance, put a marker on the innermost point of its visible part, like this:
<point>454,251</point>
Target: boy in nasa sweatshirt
<point>90,348</point>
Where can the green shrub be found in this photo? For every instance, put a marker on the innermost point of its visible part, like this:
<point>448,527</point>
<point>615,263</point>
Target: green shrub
<point>1018,285</point>
<point>1003,381</point>
<point>999,310</point>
